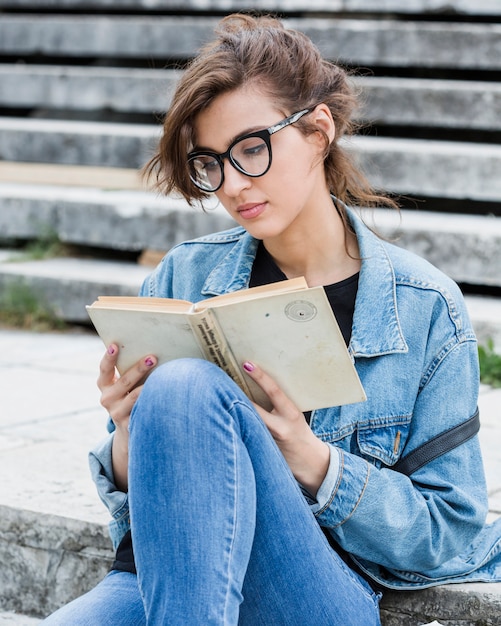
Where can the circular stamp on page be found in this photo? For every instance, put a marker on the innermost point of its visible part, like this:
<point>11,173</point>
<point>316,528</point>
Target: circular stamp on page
<point>300,311</point>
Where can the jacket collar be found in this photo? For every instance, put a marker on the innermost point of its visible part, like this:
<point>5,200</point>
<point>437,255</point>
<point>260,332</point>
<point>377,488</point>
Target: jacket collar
<point>234,271</point>
<point>376,325</point>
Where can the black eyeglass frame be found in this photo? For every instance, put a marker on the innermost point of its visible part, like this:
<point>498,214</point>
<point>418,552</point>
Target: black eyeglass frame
<point>264,134</point>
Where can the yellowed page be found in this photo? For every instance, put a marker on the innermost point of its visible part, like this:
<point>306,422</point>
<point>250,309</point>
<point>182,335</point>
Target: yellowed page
<point>283,286</point>
<point>140,333</point>
<point>141,303</point>
<point>295,338</point>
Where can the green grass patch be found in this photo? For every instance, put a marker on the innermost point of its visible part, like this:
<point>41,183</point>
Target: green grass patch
<point>22,307</point>
<point>46,246</point>
<point>490,364</point>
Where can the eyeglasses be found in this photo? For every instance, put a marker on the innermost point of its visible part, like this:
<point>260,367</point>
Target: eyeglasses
<point>249,154</point>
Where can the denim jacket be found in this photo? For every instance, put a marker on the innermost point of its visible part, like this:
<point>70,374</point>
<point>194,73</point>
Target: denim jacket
<point>416,355</point>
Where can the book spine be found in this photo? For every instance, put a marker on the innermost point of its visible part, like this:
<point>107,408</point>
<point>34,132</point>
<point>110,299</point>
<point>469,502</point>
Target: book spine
<point>215,348</point>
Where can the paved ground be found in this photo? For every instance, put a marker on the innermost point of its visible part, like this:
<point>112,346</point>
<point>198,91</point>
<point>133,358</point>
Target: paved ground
<point>51,416</point>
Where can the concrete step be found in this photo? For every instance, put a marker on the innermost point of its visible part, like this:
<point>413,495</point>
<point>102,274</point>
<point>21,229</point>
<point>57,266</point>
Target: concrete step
<point>485,314</point>
<point>378,42</point>
<point>432,103</point>
<point>420,168</point>
<point>398,101</point>
<point>466,247</point>
<point>461,7</point>
<point>53,536</point>
<point>411,167</point>
<point>123,220</point>
<point>77,143</point>
<point>122,90</point>
<point>64,286</point>
<point>16,619</point>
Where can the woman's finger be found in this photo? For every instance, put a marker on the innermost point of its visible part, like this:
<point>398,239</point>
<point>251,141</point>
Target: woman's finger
<point>280,401</point>
<point>118,394</point>
<point>107,365</point>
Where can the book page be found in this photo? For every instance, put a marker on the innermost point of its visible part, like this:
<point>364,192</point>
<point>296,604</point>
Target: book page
<point>213,344</point>
<point>139,333</point>
<point>296,340</point>
<point>141,303</point>
<point>283,286</point>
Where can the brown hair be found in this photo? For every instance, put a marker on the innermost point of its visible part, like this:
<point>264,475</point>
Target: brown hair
<point>283,64</point>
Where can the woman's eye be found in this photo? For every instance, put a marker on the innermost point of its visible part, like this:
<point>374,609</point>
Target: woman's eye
<point>210,166</point>
<point>255,150</point>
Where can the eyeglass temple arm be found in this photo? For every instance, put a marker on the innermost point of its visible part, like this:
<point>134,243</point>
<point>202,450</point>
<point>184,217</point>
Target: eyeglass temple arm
<point>288,120</point>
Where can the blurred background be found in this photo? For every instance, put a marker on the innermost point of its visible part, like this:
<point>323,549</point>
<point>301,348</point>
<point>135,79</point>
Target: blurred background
<point>84,85</point>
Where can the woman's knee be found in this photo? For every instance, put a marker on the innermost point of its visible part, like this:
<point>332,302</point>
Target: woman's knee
<point>184,387</point>
<point>186,381</point>
<point>180,375</point>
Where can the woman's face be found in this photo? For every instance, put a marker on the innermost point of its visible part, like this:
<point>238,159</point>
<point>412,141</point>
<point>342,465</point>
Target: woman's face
<point>282,200</point>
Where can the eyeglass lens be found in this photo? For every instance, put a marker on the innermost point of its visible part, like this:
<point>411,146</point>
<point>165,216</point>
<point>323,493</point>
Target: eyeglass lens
<point>250,155</point>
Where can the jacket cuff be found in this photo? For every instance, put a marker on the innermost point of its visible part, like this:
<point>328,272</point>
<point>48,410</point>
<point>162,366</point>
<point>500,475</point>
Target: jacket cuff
<point>346,487</point>
<point>324,494</point>
<point>117,502</point>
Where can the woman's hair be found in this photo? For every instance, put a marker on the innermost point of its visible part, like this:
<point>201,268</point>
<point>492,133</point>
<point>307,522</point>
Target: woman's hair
<point>281,63</point>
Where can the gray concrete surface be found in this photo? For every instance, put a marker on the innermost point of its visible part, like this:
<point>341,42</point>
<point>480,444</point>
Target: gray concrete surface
<point>111,219</point>
<point>65,285</point>
<point>377,42</point>
<point>412,167</point>
<point>467,7</point>
<point>77,143</point>
<point>448,104</point>
<point>53,535</point>
<point>465,247</point>
<point>420,168</point>
<point>7,618</point>
<point>431,102</point>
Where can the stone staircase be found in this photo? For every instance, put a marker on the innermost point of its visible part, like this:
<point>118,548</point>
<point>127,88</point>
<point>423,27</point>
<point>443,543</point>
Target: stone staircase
<point>83,84</point>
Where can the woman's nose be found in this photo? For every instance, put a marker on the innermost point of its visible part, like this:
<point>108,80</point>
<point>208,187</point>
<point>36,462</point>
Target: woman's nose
<point>234,181</point>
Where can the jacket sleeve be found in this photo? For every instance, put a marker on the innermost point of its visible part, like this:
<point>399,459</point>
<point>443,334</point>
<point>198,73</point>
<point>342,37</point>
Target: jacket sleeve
<point>117,502</point>
<point>100,461</point>
<point>415,523</point>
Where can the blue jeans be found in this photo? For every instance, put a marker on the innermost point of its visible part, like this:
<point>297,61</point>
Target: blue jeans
<point>221,531</point>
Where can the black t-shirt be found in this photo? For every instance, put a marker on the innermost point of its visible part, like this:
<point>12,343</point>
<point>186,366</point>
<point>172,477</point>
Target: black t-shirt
<point>341,297</point>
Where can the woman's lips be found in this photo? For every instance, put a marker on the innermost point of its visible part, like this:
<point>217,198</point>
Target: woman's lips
<point>251,210</point>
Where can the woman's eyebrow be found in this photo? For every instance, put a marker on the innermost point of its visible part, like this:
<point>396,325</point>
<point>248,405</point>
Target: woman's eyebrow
<point>253,129</point>
<point>248,131</point>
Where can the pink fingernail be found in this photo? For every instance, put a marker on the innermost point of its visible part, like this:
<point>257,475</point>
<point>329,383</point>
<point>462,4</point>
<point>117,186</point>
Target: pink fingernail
<point>248,366</point>
<point>111,350</point>
<point>149,361</point>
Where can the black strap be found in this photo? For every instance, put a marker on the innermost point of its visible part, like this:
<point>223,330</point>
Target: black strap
<point>437,446</point>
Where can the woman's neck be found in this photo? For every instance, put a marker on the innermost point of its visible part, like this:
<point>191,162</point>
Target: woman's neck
<point>322,251</point>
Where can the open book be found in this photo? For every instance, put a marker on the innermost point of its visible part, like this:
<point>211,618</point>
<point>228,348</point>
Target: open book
<point>286,328</point>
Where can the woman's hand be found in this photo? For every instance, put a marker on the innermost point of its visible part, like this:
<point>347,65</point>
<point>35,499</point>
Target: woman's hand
<point>307,456</point>
<point>118,395</point>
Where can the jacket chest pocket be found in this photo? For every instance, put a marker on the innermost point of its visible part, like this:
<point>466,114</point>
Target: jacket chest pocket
<point>381,441</point>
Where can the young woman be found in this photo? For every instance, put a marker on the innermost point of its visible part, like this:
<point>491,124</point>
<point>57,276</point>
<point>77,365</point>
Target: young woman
<point>224,512</point>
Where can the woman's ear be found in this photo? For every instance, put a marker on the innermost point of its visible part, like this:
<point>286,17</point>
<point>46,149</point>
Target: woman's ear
<point>321,116</point>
